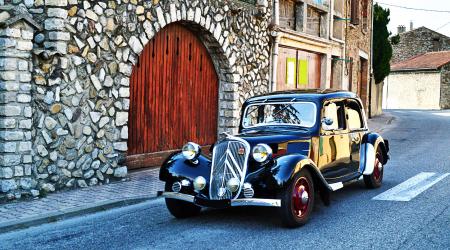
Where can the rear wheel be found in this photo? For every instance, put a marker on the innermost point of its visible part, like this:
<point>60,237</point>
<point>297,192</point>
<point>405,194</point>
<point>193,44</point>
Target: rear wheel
<point>180,209</point>
<point>376,178</point>
<point>297,200</point>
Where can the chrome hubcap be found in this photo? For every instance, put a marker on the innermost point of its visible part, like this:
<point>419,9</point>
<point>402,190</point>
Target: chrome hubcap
<point>300,197</point>
<point>380,166</point>
<point>305,198</point>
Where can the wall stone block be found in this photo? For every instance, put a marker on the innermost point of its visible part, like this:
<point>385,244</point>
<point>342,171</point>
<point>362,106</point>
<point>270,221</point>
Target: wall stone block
<point>54,24</point>
<point>9,160</point>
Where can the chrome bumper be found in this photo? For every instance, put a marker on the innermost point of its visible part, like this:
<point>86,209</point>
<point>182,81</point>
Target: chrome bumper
<point>233,203</point>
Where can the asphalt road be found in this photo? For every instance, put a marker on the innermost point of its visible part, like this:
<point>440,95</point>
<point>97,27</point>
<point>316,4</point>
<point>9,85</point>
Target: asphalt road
<point>420,142</point>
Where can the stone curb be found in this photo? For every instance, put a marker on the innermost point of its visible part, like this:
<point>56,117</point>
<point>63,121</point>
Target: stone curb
<point>71,212</point>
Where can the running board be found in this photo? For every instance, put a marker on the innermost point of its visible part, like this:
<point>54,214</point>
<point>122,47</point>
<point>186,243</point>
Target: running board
<point>336,186</point>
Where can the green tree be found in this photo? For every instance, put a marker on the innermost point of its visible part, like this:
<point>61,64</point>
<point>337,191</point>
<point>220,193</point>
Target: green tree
<point>382,48</point>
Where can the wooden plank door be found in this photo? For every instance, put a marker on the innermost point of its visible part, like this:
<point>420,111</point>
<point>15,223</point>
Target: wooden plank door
<point>174,96</point>
<point>298,69</point>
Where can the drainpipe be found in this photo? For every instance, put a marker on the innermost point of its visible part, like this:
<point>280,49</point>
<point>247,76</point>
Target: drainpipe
<point>275,49</point>
<point>332,38</point>
<point>371,64</point>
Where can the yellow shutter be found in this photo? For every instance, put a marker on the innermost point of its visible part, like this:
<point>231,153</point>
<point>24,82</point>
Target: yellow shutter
<point>303,72</point>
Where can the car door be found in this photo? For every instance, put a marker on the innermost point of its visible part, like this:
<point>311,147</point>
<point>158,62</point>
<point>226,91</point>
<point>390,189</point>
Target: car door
<point>357,128</point>
<point>334,150</point>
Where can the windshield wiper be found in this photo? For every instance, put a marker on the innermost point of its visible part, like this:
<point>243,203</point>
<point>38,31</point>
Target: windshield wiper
<point>277,128</point>
<point>285,107</point>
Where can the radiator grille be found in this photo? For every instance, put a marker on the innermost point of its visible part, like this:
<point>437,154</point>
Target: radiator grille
<point>230,158</point>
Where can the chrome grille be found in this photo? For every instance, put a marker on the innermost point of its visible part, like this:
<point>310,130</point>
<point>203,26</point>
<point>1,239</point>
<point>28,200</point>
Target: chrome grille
<point>230,158</point>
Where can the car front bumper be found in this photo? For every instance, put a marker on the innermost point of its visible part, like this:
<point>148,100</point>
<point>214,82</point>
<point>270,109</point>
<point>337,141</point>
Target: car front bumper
<point>221,203</point>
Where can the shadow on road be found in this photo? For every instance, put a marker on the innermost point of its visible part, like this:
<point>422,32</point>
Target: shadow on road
<point>265,217</point>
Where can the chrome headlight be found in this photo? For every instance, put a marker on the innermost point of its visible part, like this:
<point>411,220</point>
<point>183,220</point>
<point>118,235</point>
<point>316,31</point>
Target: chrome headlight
<point>199,183</point>
<point>262,152</point>
<point>191,150</point>
<point>233,185</point>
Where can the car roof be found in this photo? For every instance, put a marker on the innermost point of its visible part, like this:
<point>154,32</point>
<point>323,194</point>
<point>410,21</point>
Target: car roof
<point>310,94</point>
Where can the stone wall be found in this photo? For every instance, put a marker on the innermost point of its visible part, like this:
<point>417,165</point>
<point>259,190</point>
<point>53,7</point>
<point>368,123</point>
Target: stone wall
<point>79,84</point>
<point>417,42</point>
<point>445,87</point>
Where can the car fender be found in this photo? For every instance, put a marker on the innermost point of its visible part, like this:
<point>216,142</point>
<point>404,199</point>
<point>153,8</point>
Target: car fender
<point>369,146</point>
<point>286,167</point>
<point>176,167</point>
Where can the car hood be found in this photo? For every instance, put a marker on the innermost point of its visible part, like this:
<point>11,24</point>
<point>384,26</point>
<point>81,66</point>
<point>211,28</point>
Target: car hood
<point>280,142</point>
<point>254,138</point>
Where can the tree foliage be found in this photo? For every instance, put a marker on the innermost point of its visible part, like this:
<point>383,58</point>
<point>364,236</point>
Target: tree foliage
<point>382,48</point>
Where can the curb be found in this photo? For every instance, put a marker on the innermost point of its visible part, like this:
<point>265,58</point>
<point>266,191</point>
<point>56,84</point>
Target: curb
<point>70,213</point>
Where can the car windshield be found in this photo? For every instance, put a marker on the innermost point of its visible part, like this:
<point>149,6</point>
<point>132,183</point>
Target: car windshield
<point>301,114</point>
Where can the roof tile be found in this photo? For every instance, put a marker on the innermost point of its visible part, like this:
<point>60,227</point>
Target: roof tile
<point>430,61</point>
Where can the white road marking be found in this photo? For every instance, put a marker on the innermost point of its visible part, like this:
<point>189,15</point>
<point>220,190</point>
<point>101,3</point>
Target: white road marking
<point>411,188</point>
<point>442,114</point>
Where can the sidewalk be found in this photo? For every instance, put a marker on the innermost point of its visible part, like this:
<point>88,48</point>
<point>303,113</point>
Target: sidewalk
<point>140,186</point>
<point>381,123</point>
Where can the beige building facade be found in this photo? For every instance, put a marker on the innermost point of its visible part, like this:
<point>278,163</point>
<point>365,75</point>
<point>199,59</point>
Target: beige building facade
<point>307,46</point>
<point>412,90</point>
<point>421,82</point>
<point>323,44</point>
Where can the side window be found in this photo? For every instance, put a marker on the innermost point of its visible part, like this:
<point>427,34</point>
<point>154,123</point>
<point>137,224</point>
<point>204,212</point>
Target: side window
<point>354,117</point>
<point>335,111</point>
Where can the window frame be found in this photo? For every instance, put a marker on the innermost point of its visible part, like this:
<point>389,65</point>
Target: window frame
<point>312,9</point>
<point>355,12</point>
<point>322,115</point>
<point>360,112</point>
<point>365,15</point>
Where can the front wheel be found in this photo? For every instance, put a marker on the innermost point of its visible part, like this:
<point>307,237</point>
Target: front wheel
<point>181,209</point>
<point>297,200</point>
<point>375,179</point>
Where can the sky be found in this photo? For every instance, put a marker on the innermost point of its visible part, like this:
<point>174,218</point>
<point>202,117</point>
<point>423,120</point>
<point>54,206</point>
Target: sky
<point>429,19</point>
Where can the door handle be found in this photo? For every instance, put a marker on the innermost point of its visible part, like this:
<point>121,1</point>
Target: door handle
<point>355,138</point>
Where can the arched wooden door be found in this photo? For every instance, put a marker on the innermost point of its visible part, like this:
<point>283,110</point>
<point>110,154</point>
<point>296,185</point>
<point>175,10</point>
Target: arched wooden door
<point>174,97</point>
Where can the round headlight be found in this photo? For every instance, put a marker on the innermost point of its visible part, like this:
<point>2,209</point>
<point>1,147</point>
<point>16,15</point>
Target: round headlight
<point>191,151</point>
<point>199,183</point>
<point>233,185</point>
<point>262,152</point>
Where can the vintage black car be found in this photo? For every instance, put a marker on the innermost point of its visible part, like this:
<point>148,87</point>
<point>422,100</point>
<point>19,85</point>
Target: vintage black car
<point>292,148</point>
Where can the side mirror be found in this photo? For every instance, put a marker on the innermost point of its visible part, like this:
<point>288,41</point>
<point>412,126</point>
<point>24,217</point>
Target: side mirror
<point>326,122</point>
